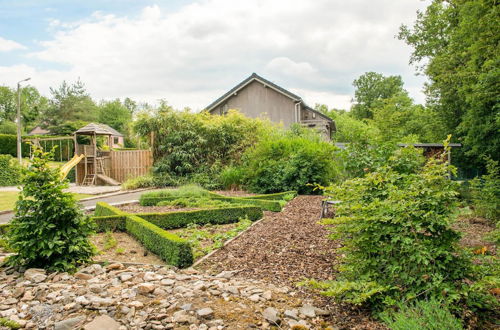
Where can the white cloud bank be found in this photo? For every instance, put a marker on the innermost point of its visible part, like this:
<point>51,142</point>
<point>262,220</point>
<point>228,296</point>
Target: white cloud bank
<point>193,55</point>
<point>8,45</point>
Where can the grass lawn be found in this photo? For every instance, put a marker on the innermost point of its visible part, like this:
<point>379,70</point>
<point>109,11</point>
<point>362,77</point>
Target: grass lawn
<point>9,198</point>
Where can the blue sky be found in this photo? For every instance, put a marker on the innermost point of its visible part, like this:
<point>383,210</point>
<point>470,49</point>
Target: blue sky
<point>191,52</point>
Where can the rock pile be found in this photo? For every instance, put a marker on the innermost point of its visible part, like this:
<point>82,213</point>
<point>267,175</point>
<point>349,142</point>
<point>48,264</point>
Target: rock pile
<point>148,297</point>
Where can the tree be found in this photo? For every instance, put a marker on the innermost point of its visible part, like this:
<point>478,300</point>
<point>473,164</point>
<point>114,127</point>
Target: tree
<point>371,89</point>
<point>32,105</point>
<point>48,230</point>
<point>457,42</point>
<point>69,103</point>
<point>115,114</point>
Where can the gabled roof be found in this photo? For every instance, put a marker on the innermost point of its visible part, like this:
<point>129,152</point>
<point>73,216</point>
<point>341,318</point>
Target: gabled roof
<point>256,77</point>
<point>98,129</point>
<point>39,131</point>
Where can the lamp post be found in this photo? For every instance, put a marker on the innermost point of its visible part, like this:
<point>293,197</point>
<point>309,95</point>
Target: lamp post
<point>19,154</point>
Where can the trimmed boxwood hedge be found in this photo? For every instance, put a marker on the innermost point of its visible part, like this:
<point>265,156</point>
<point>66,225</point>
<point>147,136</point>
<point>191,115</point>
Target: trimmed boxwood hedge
<point>109,223</point>
<point>171,248</point>
<point>268,205</point>
<point>104,209</point>
<point>180,219</point>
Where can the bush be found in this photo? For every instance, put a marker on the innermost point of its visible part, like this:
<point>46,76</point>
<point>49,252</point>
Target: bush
<point>186,191</point>
<point>430,315</point>
<point>232,178</point>
<point>485,192</point>
<point>268,205</point>
<point>48,230</point>
<point>289,162</point>
<point>104,209</point>
<point>171,248</point>
<point>202,202</point>
<point>398,241</point>
<point>109,223</point>
<point>10,171</point>
<point>180,219</point>
<point>144,181</point>
<point>8,127</point>
<point>194,147</point>
<point>8,145</point>
<point>286,196</point>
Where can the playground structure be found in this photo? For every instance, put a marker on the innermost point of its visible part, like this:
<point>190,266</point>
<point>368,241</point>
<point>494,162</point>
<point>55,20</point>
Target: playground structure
<point>94,165</point>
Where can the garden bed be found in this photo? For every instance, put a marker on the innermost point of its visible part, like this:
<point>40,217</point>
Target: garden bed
<point>475,231</point>
<point>136,208</point>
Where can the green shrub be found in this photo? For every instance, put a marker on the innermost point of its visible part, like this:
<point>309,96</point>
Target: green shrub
<point>169,247</point>
<point>428,315</point>
<point>286,196</point>
<point>190,190</point>
<point>4,322</point>
<point>144,181</point>
<point>4,227</point>
<point>194,147</point>
<point>232,177</point>
<point>485,192</point>
<point>202,202</point>
<point>8,145</point>
<point>397,237</point>
<point>289,162</point>
<point>48,230</point>
<point>10,171</point>
<point>271,205</point>
<point>109,223</point>
<point>8,127</point>
<point>180,219</point>
<point>104,209</point>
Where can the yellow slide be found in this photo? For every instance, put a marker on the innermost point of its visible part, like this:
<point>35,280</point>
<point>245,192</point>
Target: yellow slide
<point>69,165</point>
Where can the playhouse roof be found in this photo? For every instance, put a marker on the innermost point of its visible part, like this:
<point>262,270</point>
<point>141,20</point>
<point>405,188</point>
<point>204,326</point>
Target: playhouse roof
<point>98,129</point>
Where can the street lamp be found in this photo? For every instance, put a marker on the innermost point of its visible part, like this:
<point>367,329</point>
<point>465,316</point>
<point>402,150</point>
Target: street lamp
<point>19,155</point>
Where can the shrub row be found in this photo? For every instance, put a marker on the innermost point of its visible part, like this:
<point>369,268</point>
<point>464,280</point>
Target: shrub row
<point>171,248</point>
<point>109,223</point>
<point>10,173</point>
<point>268,205</point>
<point>8,145</point>
<point>104,209</point>
<point>173,220</point>
<point>277,196</point>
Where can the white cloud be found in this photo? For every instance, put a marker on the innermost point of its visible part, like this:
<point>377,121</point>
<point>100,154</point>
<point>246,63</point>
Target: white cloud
<point>8,45</point>
<point>194,54</point>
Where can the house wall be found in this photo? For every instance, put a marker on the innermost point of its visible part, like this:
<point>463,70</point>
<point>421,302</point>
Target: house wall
<point>256,99</point>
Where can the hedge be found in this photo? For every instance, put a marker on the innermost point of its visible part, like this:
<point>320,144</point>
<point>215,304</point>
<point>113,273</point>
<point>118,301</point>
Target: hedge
<point>179,219</point>
<point>10,173</point>
<point>8,146</point>
<point>146,200</point>
<point>276,196</point>
<point>109,223</point>
<point>171,248</point>
<point>104,209</point>
<point>268,205</point>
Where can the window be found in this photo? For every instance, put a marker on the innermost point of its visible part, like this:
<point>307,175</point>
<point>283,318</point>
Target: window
<point>116,140</point>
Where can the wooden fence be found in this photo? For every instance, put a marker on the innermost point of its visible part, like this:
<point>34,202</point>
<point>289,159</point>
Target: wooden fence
<point>126,164</point>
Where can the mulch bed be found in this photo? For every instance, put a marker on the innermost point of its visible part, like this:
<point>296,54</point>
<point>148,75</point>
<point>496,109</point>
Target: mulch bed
<point>474,230</point>
<point>285,248</point>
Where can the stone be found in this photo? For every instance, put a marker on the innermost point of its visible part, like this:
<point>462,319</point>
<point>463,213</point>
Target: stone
<point>291,314</point>
<point>205,313</point>
<point>187,307</point>
<point>271,315</point>
<point>68,324</point>
<point>167,282</point>
<point>145,288</point>
<point>268,295</point>
<point>83,276</point>
<point>18,292</point>
<point>180,317</point>
<point>308,311</point>
<point>102,322</point>
<point>302,324</point>
<point>125,277</point>
<point>82,300</point>
<point>95,288</point>
<point>254,298</point>
<point>226,274</point>
<point>136,304</point>
<point>36,275</point>
<point>114,266</point>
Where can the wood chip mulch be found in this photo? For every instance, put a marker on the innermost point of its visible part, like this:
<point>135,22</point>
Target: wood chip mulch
<point>288,247</point>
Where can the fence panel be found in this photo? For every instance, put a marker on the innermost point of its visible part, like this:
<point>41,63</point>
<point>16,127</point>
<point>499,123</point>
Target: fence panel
<point>126,164</point>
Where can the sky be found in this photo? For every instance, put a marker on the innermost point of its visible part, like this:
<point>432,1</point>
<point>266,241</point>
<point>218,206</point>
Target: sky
<point>191,52</point>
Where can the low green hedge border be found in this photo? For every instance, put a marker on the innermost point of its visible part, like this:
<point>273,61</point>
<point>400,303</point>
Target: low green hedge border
<point>277,196</point>
<point>218,216</point>
<point>109,223</point>
<point>104,209</point>
<point>4,227</point>
<point>171,248</point>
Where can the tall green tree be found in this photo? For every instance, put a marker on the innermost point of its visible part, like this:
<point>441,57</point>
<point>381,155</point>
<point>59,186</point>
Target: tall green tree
<point>69,103</point>
<point>115,114</point>
<point>456,44</point>
<point>32,105</point>
<point>371,89</point>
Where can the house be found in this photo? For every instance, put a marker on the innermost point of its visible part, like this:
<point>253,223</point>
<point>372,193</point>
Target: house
<point>256,96</point>
<point>115,137</point>
<point>39,131</point>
